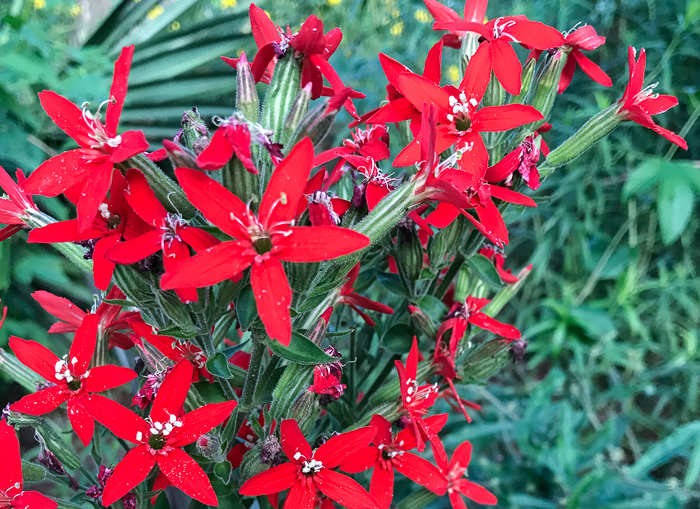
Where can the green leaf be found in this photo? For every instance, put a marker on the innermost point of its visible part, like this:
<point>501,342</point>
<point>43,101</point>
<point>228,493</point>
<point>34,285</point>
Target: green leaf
<point>642,178</point>
<point>223,471</point>
<point>676,203</point>
<point>676,444</point>
<point>398,338</point>
<point>246,309</point>
<point>219,366</point>
<point>391,282</point>
<point>486,271</point>
<point>301,350</point>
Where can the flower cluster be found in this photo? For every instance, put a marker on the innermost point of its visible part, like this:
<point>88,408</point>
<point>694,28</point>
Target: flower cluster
<point>278,329</point>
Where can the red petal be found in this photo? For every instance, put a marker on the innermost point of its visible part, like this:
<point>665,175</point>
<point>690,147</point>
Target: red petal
<point>567,74</point>
<point>286,186</point>
<point>273,297</point>
<point>93,194</point>
<point>293,441</point>
<point>592,69</point>
<point>83,346</point>
<point>200,421</point>
<point>584,38</point>
<point>475,10</point>
<point>506,65</point>
<point>264,30</point>
<point>364,302</point>
<point>118,419</point>
<point>102,267</point>
<point>503,118</point>
<point>184,473</point>
<point>433,63</point>
<point>441,12</point>
<point>11,465</point>
<point>363,459</point>
<point>476,160</point>
<point>477,493</point>
<point>392,69</point>
<point>505,194</point>
<point>43,401</point>
<point>133,142</point>
<point>136,249</point>
<point>208,267</point>
<point>344,490</point>
<point>494,228</point>
<point>35,356</point>
<point>117,93</point>
<point>535,34</point>
<point>443,215</point>
<point>381,487</point>
<point>59,173</point>
<point>67,116</point>
<point>34,500</point>
<point>396,111</point>
<point>61,308</point>
<point>503,168</point>
<point>62,231</point>
<point>301,496</point>
<point>81,421</point>
<point>172,393</point>
<point>478,73</point>
<point>421,471</point>
<point>198,239</point>
<point>502,329</point>
<point>270,481</point>
<point>654,105</point>
<point>419,90</point>
<point>131,471</point>
<point>215,201</point>
<point>102,378</point>
<point>319,243</point>
<point>142,199</point>
<point>218,152</point>
<point>456,500</point>
<point>338,448</point>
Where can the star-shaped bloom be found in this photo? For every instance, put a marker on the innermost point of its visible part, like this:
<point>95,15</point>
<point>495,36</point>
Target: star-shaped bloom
<point>90,167</point>
<point>457,485</point>
<point>15,205</point>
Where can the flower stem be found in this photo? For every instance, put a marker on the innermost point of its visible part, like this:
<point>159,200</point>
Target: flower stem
<point>73,252</point>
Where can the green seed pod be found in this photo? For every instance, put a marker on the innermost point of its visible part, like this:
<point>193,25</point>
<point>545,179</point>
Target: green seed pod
<point>283,90</point>
<point>445,241</point>
<point>247,101</point>
<point>251,464</point>
<point>296,114</point>
<point>485,360</point>
<point>409,254</point>
<point>176,311</point>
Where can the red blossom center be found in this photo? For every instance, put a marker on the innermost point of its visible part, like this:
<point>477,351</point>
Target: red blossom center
<point>462,108</point>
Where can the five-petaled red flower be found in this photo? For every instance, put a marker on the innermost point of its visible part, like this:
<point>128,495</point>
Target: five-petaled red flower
<point>584,38</point>
<point>263,241</point>
<point>14,207</point>
<point>307,469</point>
<point>160,438</point>
<point>88,168</point>
<point>69,379</point>
<point>639,104</point>
<point>457,485</point>
<point>391,452</point>
<point>11,482</point>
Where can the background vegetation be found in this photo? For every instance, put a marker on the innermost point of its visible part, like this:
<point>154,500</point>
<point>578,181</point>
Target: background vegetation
<point>603,412</point>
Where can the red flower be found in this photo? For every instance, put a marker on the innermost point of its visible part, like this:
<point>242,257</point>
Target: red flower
<point>88,168</point>
<point>324,210</point>
<point>348,297</point>
<point>461,315</point>
<point>389,453</point>
<point>13,209</point>
<point>496,256</point>
<point>457,486</point>
<point>170,234</point>
<point>11,482</point>
<point>495,52</point>
<point>263,241</point>
<point>70,379</point>
<point>232,137</point>
<point>159,438</point>
<point>172,348</point>
<point>415,399</point>
<point>474,10</point>
<point>460,123</point>
<point>582,39</point>
<point>523,159</point>
<point>307,470</point>
<point>639,104</point>
<point>110,318</point>
<point>327,377</point>
<point>116,222</point>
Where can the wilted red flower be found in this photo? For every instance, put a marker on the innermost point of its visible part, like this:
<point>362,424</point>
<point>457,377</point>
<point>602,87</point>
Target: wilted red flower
<point>159,438</point>
<point>324,209</point>
<point>110,317</point>
<point>388,453</point>
<point>264,241</point>
<point>11,482</point>
<point>327,376</point>
<point>70,378</point>
<point>88,168</point>
<point>307,469</point>
<point>639,104</point>
<point>14,207</point>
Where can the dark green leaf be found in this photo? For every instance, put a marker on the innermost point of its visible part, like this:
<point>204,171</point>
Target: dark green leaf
<point>301,350</point>
<point>219,366</point>
<point>398,338</point>
<point>485,270</point>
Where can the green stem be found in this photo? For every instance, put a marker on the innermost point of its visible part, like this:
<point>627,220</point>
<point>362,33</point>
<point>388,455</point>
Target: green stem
<point>73,252</point>
<point>246,403</point>
<point>449,276</point>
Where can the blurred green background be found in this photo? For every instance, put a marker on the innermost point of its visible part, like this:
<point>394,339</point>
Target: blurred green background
<point>603,412</point>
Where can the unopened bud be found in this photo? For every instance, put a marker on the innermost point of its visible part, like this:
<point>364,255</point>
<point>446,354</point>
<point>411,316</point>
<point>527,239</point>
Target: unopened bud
<point>302,409</point>
<point>193,128</point>
<point>209,446</point>
<point>283,90</point>
<point>409,254</point>
<point>518,348</point>
<point>180,156</point>
<point>422,321</point>
<point>486,360</point>
<point>526,80</point>
<point>445,241</point>
<point>252,464</point>
<point>247,101</point>
<point>129,501</point>
<point>296,114</point>
<point>317,122</point>
<point>547,86</point>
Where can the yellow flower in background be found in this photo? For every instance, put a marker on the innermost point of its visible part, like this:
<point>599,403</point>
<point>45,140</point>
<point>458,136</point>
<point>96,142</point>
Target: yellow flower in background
<point>333,2</point>
<point>396,28</point>
<point>422,16</point>
<point>453,74</point>
<point>395,13</point>
<point>174,26</point>
<point>155,12</point>
<point>39,4</point>
<point>76,10</point>
<point>227,4</point>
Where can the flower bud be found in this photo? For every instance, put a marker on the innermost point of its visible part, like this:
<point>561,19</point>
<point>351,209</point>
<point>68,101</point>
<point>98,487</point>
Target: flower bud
<point>422,321</point>
<point>240,181</point>
<point>283,90</point>
<point>495,93</point>
<point>305,406</point>
<point>445,241</point>
<point>301,275</point>
<point>178,312</point>
<point>517,348</point>
<point>464,283</point>
<point>271,451</point>
<point>247,101</point>
<point>209,446</point>
<point>547,86</point>
<point>296,114</point>
<point>318,122</point>
<point>252,463</point>
<point>193,129</point>
<point>180,156</point>
<point>486,360</point>
<point>526,79</point>
<point>129,501</point>
<point>409,253</point>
